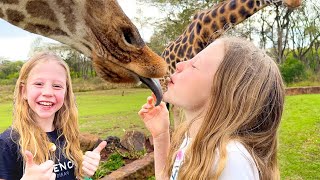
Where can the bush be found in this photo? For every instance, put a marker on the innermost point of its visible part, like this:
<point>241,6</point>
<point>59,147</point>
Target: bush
<point>292,70</point>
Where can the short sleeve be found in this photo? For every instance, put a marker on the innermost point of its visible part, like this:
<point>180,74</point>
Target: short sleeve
<point>238,166</point>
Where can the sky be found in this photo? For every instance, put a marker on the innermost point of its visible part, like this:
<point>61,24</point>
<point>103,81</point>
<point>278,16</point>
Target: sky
<point>15,42</point>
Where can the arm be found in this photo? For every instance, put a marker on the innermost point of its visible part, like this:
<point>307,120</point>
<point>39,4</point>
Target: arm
<point>156,119</point>
<point>161,151</point>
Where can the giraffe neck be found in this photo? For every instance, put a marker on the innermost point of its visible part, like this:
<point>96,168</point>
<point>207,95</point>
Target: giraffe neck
<point>59,20</point>
<point>209,25</point>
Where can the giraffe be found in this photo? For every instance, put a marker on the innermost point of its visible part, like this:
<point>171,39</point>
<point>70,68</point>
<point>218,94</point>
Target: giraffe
<point>98,29</point>
<point>208,25</point>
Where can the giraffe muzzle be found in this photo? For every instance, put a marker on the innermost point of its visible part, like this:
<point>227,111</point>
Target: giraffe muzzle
<point>155,87</point>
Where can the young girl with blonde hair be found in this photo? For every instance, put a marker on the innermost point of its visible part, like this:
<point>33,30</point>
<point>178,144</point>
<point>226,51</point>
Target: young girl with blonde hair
<point>42,142</point>
<point>232,95</point>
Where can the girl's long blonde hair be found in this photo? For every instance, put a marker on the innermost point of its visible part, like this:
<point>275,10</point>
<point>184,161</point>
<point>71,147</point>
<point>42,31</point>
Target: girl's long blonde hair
<point>31,136</point>
<point>246,105</point>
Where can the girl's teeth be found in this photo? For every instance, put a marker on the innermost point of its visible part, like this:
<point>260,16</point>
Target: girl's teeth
<point>46,103</point>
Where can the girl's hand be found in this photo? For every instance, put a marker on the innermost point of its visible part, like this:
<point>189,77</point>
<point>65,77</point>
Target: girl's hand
<point>91,159</point>
<point>156,119</point>
<point>43,171</point>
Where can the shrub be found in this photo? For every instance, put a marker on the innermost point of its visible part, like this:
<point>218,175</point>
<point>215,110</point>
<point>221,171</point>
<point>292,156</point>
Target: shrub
<point>292,70</point>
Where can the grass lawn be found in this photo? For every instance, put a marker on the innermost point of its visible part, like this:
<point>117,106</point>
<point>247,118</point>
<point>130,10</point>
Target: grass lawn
<point>299,153</point>
<point>110,112</point>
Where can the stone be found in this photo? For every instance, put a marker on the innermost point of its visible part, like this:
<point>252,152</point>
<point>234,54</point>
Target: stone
<point>134,141</point>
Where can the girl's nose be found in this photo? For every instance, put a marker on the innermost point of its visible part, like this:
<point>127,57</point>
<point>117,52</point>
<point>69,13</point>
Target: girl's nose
<point>47,90</point>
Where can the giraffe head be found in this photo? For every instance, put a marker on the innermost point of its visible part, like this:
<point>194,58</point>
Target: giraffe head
<point>119,53</point>
<point>97,28</point>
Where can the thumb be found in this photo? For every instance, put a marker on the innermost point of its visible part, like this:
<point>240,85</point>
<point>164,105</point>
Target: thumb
<point>101,146</point>
<point>29,159</point>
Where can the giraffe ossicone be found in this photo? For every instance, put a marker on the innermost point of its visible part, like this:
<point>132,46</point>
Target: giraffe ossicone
<point>97,28</point>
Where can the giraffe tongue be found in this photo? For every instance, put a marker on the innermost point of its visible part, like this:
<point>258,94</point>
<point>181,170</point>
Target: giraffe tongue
<point>155,87</point>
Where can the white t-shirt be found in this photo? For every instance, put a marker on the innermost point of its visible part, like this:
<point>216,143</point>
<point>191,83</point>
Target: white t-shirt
<point>240,164</point>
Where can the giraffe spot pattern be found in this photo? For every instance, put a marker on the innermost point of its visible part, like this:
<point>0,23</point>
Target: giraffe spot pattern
<point>181,52</point>
<point>222,9</point>
<point>207,20</point>
<point>195,16</point>
<point>258,3</point>
<point>200,45</point>
<point>214,27</point>
<point>223,21</point>
<point>191,37</point>
<point>198,50</point>
<point>184,48</point>
<point>67,10</point>
<point>199,27</point>
<point>201,16</point>
<point>233,5</point>
<point>233,18</point>
<point>172,56</point>
<point>250,4</point>
<point>41,9</point>
<point>179,40</point>
<point>1,13</point>
<point>14,16</point>
<point>176,49</point>
<point>10,1</point>
<point>45,30</point>
<point>191,27</point>
<point>171,47</point>
<point>173,64</point>
<point>166,53</point>
<point>205,34</point>
<point>189,53</point>
<point>214,13</point>
<point>243,12</point>
<point>184,40</point>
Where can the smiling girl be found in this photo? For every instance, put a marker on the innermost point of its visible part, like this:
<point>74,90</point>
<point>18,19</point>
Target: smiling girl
<point>42,142</point>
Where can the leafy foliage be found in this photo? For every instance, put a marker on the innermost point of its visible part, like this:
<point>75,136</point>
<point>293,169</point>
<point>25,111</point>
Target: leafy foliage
<point>292,70</point>
<point>114,162</point>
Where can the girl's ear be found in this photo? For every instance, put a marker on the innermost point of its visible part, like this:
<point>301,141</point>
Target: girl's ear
<point>23,91</point>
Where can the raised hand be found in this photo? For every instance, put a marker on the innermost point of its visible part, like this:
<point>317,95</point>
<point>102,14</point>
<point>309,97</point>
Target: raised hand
<point>42,171</point>
<point>156,119</point>
<point>91,159</point>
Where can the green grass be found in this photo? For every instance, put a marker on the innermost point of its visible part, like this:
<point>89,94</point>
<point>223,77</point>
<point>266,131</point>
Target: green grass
<point>299,152</point>
<point>107,113</point>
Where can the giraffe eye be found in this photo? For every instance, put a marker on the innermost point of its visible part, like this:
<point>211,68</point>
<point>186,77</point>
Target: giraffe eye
<point>132,37</point>
<point>128,36</point>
